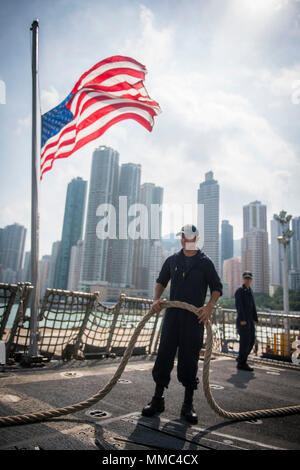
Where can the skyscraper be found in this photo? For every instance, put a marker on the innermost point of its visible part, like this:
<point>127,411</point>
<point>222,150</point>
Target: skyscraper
<point>75,266</point>
<point>226,242</point>
<point>146,269</point>
<point>26,271</point>
<point>54,254</point>
<point>72,229</point>
<point>208,195</point>
<point>232,274</point>
<point>123,248</point>
<point>155,264</point>
<point>44,274</point>
<point>12,242</point>
<point>103,190</point>
<point>255,257</point>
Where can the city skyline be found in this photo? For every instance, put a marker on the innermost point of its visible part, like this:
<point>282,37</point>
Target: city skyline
<point>119,181</point>
<point>228,115</point>
<point>149,227</point>
<point>295,219</point>
<point>110,256</point>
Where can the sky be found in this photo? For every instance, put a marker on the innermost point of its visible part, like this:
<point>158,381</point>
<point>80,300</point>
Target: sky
<point>225,73</point>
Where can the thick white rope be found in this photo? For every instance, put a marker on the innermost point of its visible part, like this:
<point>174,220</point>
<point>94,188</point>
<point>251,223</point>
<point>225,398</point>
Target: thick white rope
<point>49,414</point>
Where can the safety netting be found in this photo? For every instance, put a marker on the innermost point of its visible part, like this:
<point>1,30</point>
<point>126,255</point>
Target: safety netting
<point>78,325</point>
<point>109,329</point>
<point>8,293</point>
<point>14,301</point>
<point>62,319</point>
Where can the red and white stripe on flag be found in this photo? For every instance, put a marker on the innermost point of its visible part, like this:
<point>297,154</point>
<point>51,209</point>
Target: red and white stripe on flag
<point>109,92</point>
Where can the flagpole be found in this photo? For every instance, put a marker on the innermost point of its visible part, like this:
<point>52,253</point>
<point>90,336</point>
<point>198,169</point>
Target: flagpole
<point>33,348</point>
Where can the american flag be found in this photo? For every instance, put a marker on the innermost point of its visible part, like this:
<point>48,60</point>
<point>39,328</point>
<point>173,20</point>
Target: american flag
<point>107,93</point>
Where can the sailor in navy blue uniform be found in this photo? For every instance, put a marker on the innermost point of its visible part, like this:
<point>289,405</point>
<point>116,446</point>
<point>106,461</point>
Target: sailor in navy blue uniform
<point>191,273</point>
<point>246,316</point>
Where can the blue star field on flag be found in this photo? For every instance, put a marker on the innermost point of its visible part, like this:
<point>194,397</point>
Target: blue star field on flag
<point>56,119</point>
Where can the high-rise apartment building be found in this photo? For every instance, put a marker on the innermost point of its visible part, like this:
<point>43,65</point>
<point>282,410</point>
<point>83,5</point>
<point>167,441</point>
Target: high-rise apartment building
<point>12,242</point>
<point>54,255</point>
<point>232,274</point>
<point>26,271</point>
<point>226,242</point>
<point>72,229</point>
<point>123,248</point>
<point>208,195</point>
<point>255,257</point>
<point>44,274</point>
<point>75,266</point>
<point>149,250</point>
<point>155,263</point>
<point>103,192</point>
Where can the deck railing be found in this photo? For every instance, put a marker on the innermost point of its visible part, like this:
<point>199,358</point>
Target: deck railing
<point>78,325</point>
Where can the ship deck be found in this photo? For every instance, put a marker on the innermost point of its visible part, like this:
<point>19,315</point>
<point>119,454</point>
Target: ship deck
<point>116,423</point>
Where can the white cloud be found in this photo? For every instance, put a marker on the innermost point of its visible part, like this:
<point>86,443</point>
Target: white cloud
<point>49,99</point>
<point>213,84</point>
<point>279,83</point>
<point>24,124</point>
<point>15,211</point>
<point>153,46</point>
<point>209,123</point>
<point>257,8</point>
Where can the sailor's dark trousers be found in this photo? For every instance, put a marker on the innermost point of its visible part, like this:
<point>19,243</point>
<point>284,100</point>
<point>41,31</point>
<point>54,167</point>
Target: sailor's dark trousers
<point>247,340</point>
<point>181,330</point>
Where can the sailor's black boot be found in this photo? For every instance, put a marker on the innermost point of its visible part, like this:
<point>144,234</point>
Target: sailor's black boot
<point>245,366</point>
<point>187,410</point>
<point>157,404</point>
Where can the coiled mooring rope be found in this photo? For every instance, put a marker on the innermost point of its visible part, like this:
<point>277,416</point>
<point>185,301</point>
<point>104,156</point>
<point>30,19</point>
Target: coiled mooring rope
<point>248,415</point>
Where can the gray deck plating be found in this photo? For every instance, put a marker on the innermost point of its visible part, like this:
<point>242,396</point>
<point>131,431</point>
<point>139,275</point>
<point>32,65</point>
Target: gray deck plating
<point>123,428</point>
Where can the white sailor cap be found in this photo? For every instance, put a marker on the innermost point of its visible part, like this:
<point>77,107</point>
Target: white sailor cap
<point>189,231</point>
